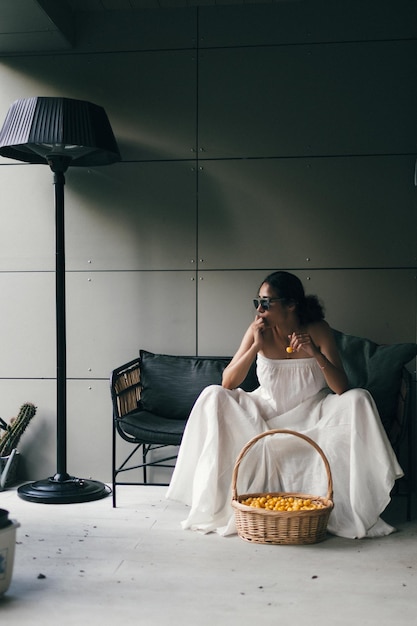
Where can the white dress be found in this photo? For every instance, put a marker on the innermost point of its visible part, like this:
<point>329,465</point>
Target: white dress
<point>292,395</point>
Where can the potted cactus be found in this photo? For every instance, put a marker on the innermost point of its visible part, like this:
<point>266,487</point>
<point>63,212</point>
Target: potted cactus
<point>9,440</point>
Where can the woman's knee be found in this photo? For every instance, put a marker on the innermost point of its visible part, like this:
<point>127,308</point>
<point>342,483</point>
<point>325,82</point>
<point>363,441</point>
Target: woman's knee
<point>359,396</point>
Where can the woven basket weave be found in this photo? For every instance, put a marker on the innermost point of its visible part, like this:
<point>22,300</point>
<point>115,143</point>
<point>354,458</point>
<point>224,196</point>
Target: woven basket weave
<point>282,527</point>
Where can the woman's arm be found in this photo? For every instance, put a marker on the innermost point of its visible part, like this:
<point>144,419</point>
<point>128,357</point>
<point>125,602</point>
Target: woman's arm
<point>235,373</point>
<point>319,343</point>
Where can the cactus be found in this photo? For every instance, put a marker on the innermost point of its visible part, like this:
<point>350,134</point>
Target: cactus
<point>16,428</point>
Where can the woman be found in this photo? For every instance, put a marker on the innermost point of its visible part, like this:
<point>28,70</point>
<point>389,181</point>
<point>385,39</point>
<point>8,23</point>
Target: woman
<point>303,387</point>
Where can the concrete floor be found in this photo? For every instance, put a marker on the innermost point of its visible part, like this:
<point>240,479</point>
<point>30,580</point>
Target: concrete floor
<point>81,563</point>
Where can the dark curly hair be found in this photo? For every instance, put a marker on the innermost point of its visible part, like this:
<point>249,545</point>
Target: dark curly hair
<point>290,288</point>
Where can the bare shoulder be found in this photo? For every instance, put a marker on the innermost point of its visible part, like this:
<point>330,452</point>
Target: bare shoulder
<point>323,337</point>
<point>320,331</point>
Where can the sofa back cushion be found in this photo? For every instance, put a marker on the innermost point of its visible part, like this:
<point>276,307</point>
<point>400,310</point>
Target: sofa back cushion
<point>171,384</point>
<point>376,368</point>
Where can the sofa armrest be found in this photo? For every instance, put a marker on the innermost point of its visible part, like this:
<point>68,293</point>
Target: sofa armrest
<point>125,388</point>
<point>402,417</point>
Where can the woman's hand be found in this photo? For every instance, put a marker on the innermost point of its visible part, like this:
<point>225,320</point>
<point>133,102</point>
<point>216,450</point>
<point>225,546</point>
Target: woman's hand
<point>319,343</point>
<point>302,341</point>
<point>258,327</point>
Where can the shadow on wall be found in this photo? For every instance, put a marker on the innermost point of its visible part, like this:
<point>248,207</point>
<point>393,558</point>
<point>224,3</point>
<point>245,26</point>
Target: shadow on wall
<point>131,87</point>
<point>132,216</point>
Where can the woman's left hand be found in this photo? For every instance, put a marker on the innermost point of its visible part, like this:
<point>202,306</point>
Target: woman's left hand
<point>322,348</point>
<point>300,341</point>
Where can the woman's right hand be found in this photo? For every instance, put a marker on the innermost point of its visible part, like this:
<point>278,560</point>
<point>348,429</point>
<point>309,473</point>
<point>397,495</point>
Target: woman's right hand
<point>258,327</point>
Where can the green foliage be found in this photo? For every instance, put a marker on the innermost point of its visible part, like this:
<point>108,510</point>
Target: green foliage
<point>13,431</point>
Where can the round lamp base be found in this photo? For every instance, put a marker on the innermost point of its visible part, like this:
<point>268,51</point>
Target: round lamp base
<point>63,491</point>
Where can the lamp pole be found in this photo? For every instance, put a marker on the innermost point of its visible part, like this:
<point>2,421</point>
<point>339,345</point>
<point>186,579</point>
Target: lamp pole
<point>59,166</point>
<point>61,488</point>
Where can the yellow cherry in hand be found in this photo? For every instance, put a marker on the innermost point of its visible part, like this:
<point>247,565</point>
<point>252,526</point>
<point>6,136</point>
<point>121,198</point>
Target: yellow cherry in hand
<point>289,349</point>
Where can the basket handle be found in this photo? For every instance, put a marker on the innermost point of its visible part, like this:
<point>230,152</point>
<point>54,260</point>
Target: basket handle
<point>285,432</point>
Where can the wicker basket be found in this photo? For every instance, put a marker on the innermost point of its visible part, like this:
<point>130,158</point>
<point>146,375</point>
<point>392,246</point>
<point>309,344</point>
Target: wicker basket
<point>282,527</point>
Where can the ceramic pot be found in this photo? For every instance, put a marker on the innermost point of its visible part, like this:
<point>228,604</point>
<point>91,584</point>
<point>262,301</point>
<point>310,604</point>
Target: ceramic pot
<point>7,549</point>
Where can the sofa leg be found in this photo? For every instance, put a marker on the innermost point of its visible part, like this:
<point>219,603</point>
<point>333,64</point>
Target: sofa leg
<point>144,453</point>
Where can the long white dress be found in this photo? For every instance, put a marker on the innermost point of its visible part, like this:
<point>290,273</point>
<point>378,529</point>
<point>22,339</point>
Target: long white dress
<point>292,395</point>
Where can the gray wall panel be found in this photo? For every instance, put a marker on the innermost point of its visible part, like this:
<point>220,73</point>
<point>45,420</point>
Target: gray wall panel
<point>376,303</point>
<point>88,456</point>
<point>304,21</point>
<point>131,216</point>
<point>111,315</point>
<point>27,325</point>
<point>225,309</point>
<point>345,212</point>
<point>308,100</point>
<point>137,30</point>
<point>27,215</point>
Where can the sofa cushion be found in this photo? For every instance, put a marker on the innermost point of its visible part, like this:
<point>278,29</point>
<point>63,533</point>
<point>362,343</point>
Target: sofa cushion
<point>376,368</point>
<point>148,427</point>
<point>171,384</point>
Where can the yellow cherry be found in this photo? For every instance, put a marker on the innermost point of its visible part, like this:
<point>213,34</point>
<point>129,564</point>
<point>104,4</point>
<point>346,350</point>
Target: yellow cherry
<point>289,349</point>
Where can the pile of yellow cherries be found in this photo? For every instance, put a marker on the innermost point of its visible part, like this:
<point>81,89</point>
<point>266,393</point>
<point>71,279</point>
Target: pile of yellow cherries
<point>282,503</point>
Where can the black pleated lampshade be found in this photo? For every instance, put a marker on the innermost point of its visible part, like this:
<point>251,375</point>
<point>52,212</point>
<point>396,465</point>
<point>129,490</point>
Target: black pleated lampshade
<point>40,128</point>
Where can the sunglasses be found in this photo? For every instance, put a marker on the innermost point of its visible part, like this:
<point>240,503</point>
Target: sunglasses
<point>265,303</point>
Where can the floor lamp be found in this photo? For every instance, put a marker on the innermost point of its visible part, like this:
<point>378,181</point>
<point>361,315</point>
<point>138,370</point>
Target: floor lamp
<point>59,132</point>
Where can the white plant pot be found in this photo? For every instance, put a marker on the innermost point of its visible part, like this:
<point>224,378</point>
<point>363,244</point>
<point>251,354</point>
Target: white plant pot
<point>7,550</point>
